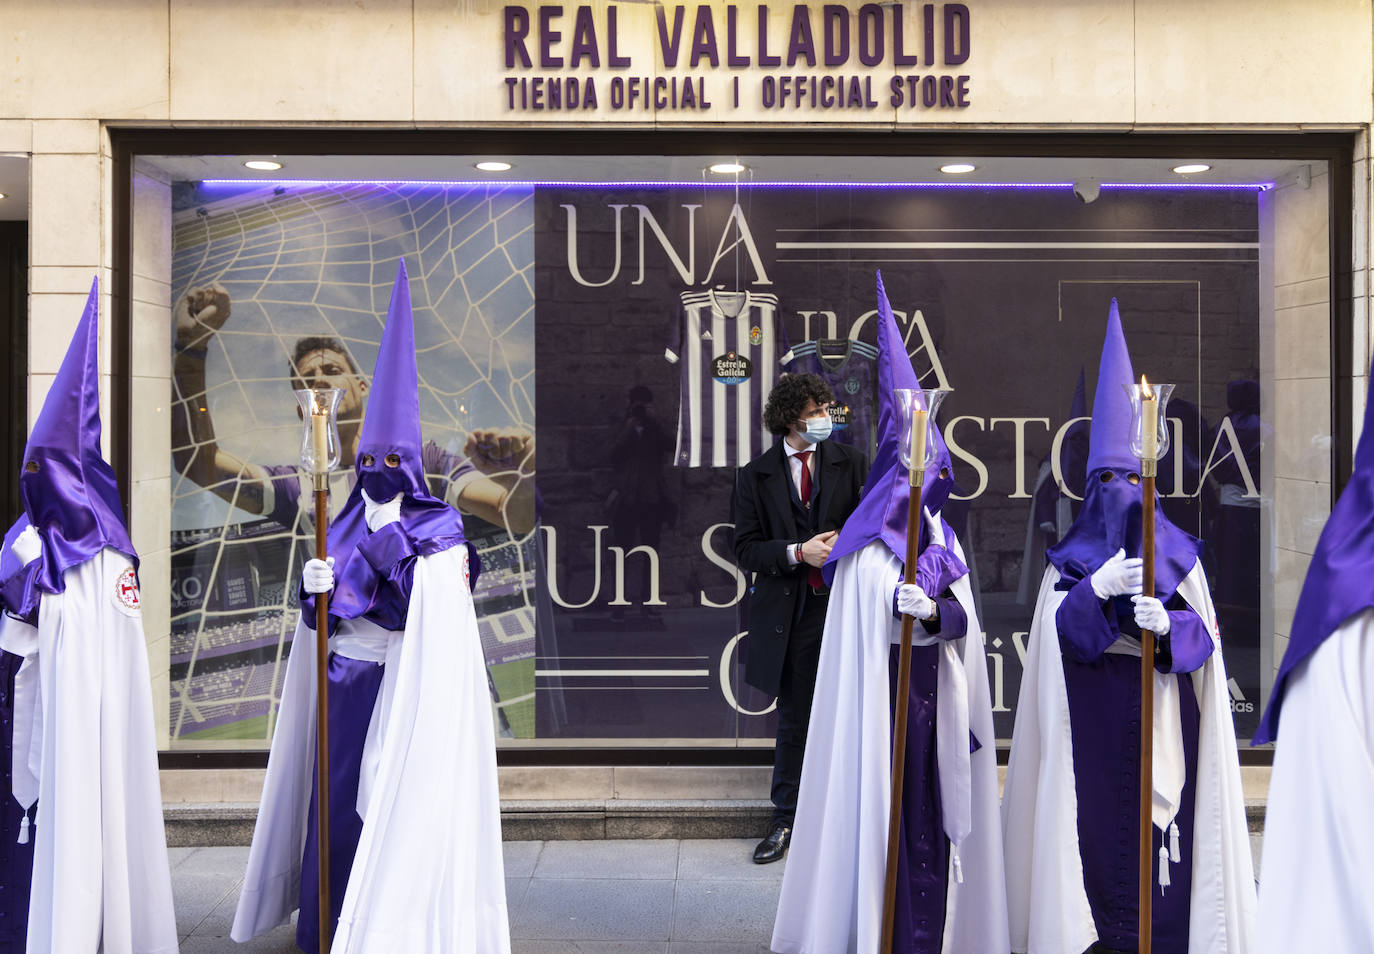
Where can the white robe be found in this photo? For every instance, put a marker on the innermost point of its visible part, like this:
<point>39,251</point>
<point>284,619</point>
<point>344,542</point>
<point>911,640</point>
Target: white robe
<point>85,745</point>
<point>428,875</point>
<point>832,890</point>
<point>1318,827</point>
<point>1046,898</point>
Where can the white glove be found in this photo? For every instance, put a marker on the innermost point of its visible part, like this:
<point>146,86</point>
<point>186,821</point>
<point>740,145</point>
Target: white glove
<point>1150,614</point>
<point>378,515</point>
<point>28,546</point>
<point>1119,576</point>
<point>935,526</point>
<point>318,576</point>
<point>912,601</point>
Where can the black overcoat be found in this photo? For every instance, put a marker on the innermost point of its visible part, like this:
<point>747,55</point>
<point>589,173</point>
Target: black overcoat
<point>768,518</point>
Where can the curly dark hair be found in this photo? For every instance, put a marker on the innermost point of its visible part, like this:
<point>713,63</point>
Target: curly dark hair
<point>789,396</point>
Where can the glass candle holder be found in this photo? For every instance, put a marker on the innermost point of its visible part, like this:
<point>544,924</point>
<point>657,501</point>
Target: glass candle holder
<point>1149,436</point>
<point>320,449</point>
<point>916,408</point>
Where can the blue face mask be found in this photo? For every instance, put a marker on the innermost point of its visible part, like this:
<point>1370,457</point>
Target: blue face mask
<point>817,429</point>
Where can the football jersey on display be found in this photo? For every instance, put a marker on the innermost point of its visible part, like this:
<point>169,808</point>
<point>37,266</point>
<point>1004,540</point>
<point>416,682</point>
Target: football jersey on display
<point>727,346</point>
<point>851,369</point>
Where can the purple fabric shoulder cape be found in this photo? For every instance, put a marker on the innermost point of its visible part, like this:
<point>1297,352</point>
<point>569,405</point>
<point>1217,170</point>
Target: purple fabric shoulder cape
<point>1109,521</point>
<point>372,571</point>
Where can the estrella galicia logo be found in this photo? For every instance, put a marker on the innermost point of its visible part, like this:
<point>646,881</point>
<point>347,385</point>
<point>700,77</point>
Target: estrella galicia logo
<point>839,416</point>
<point>732,368</point>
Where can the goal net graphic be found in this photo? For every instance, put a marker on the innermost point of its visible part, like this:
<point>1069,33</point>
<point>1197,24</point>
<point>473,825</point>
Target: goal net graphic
<point>291,261</point>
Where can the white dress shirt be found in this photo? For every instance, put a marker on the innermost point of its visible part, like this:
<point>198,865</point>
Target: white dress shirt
<point>794,467</point>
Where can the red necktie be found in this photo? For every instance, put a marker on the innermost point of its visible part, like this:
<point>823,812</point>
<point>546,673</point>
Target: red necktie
<point>813,574</point>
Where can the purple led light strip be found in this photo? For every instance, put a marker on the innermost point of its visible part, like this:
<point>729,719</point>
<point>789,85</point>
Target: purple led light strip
<point>1256,186</point>
<point>643,184</point>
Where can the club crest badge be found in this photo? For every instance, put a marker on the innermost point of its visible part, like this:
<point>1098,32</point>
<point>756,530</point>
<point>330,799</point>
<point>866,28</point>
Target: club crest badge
<point>851,386</point>
<point>755,335</point>
<point>126,590</point>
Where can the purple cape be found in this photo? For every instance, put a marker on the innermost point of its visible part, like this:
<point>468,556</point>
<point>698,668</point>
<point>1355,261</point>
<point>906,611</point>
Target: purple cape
<point>1109,520</point>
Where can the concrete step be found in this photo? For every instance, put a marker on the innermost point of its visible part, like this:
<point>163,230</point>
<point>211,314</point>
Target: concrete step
<point>215,824</point>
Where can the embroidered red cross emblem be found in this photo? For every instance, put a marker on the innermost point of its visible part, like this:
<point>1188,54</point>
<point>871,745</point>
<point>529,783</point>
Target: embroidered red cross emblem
<point>126,589</point>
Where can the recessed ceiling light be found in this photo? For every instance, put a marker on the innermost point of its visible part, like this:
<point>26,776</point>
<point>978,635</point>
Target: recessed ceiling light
<point>727,168</point>
<point>262,165</point>
<point>1190,167</point>
<point>493,166</point>
<point>957,168</point>
<point>4,195</point>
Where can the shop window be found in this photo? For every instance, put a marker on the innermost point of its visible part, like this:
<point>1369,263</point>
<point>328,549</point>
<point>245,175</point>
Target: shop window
<point>577,308</point>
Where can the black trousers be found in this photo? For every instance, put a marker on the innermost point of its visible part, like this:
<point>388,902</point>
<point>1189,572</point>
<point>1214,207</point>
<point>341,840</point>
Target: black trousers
<point>794,705</point>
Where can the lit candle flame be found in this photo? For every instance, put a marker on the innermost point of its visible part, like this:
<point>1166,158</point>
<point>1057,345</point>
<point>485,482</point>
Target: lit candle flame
<point>1149,428</point>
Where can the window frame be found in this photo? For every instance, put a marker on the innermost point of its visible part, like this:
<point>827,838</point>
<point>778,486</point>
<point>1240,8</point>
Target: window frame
<point>127,143</point>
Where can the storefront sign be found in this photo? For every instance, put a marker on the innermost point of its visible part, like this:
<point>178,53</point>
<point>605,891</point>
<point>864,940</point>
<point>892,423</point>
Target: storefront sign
<point>828,57</point>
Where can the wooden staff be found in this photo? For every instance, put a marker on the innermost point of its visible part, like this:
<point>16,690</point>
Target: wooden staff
<point>1147,702</point>
<point>322,712</point>
<point>894,818</point>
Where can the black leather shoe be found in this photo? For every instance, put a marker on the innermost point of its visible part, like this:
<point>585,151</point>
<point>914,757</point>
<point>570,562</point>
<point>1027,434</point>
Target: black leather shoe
<point>774,846</point>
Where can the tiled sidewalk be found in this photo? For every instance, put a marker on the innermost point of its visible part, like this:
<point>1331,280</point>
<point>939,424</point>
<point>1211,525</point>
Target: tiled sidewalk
<point>588,897</point>
<point>565,897</point>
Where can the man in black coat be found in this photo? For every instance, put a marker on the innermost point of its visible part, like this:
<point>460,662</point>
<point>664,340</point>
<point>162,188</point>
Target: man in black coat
<point>789,504</point>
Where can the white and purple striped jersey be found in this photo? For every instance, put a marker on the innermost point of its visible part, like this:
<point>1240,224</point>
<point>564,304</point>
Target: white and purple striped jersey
<point>727,345</point>
<point>851,369</point>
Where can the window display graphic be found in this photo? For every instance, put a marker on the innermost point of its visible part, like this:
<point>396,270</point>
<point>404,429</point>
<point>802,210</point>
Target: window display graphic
<point>609,604</point>
<point>998,293</point>
<point>282,286</point>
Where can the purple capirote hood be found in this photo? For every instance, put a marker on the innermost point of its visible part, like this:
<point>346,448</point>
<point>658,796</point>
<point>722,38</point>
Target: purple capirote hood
<point>1110,516</point>
<point>882,509</point>
<point>391,425</point>
<point>69,492</point>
